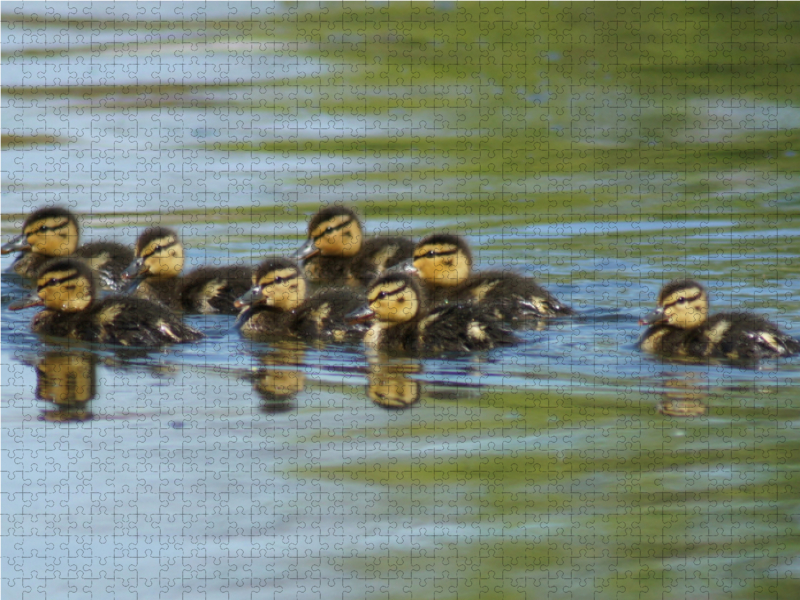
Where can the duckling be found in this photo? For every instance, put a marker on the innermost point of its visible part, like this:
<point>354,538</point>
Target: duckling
<point>336,250</point>
<point>53,232</point>
<point>444,263</point>
<point>277,306</point>
<point>681,326</point>
<point>159,261</point>
<point>67,288</point>
<point>404,323</point>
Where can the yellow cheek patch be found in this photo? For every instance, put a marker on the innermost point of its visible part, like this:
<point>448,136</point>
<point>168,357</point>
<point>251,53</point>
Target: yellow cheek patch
<point>56,236</point>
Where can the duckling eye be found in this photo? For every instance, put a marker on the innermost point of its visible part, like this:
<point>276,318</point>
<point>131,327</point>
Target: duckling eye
<point>382,295</point>
<point>329,230</point>
<point>278,280</point>
<point>682,299</point>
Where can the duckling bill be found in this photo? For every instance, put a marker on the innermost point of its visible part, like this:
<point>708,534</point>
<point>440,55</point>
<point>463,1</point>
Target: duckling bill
<point>681,326</point>
<point>67,288</point>
<point>404,323</point>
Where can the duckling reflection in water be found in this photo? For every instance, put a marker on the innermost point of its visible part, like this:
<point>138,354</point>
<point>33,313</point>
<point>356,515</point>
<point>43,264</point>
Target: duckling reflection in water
<point>156,274</point>
<point>444,263</point>
<point>404,322</point>
<point>67,379</point>
<point>681,327</point>
<point>336,250</point>
<point>389,384</point>
<point>277,306</point>
<point>53,232</point>
<point>280,379</point>
<point>686,396</point>
<point>67,288</point>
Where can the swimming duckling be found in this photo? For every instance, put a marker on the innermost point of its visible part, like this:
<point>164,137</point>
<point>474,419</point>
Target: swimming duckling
<point>277,306</point>
<point>53,232</point>
<point>336,250</point>
<point>444,263</point>
<point>159,261</point>
<point>680,326</point>
<point>67,288</point>
<point>403,322</point>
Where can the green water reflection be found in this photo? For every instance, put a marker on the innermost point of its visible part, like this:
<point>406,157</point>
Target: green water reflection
<point>603,148</point>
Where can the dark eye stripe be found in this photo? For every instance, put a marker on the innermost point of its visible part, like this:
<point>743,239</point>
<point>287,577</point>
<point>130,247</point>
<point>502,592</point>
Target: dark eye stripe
<point>393,293</point>
<point>337,228</point>
<point>58,281</point>
<point>45,227</point>
<point>159,249</point>
<point>692,299</point>
<point>436,253</point>
<point>279,280</point>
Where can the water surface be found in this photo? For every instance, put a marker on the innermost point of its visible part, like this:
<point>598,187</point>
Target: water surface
<point>602,149</point>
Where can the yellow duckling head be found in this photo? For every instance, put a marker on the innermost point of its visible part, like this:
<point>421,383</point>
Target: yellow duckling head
<point>394,297</point>
<point>62,284</point>
<point>682,303</point>
<point>159,254</point>
<point>51,231</point>
<point>334,231</point>
<point>277,282</point>
<point>443,260</point>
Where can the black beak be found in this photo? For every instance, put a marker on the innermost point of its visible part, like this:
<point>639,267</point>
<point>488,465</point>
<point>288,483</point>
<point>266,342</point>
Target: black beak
<point>135,270</point>
<point>653,317</point>
<point>359,315</point>
<point>248,298</point>
<point>26,302</point>
<point>407,266</point>
<point>18,244</point>
<point>307,250</point>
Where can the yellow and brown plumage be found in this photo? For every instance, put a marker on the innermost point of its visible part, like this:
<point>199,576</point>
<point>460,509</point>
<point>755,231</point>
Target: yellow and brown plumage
<point>337,252</point>
<point>276,305</point>
<point>444,263</point>
<point>681,326</point>
<point>157,272</point>
<point>67,288</point>
<point>404,322</point>
<point>53,232</point>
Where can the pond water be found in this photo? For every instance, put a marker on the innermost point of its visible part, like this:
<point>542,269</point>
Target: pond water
<point>602,149</point>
